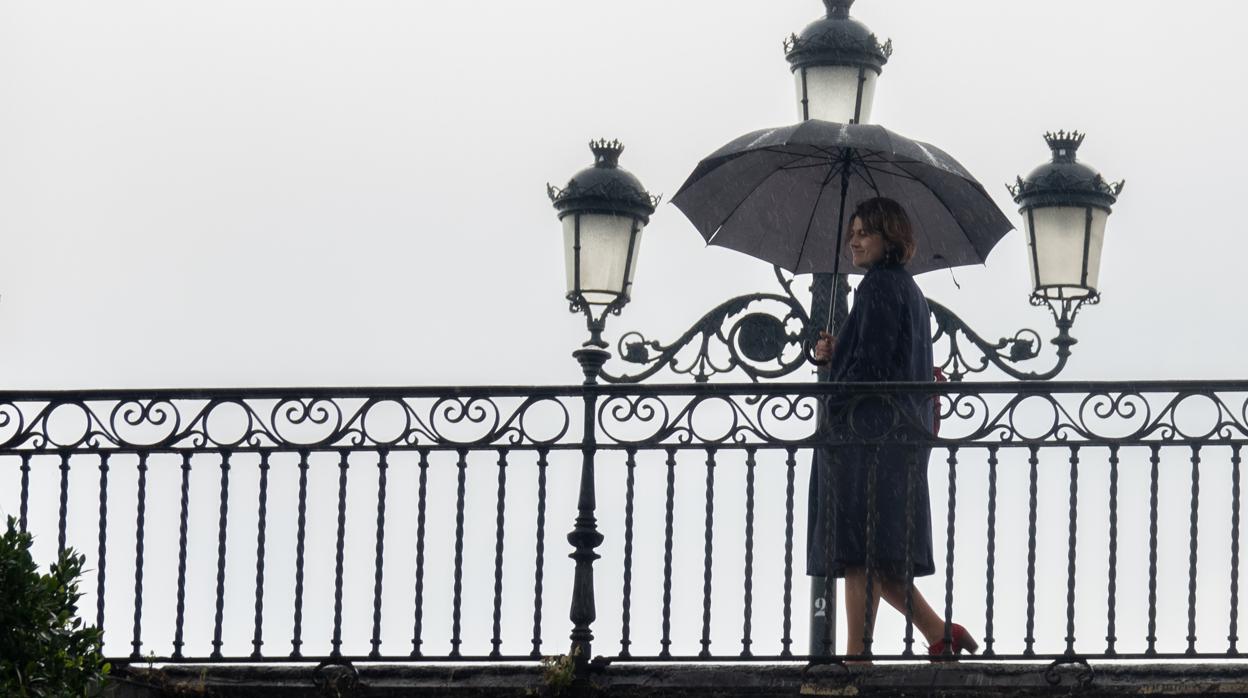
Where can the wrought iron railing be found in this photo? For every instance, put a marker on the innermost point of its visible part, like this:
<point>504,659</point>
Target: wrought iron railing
<point>1080,520</point>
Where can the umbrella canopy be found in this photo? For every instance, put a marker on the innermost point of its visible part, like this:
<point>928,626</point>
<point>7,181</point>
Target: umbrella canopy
<point>782,195</point>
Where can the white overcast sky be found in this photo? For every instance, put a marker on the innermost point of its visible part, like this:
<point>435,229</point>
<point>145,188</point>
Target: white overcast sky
<point>330,193</point>
<point>320,193</point>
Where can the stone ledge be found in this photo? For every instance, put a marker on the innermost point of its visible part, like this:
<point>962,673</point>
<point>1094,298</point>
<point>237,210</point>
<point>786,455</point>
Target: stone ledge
<point>690,680</point>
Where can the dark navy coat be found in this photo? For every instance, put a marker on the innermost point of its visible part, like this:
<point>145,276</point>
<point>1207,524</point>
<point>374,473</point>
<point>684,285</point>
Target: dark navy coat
<point>886,337</point>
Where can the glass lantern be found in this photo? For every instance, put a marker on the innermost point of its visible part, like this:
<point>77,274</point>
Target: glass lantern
<point>836,62</point>
<point>603,210</point>
<point>1065,205</point>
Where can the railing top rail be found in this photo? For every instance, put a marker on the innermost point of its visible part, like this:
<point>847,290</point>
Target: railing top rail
<point>690,389</point>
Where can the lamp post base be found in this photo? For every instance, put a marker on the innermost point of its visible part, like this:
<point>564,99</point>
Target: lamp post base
<point>821,616</point>
<point>591,360</point>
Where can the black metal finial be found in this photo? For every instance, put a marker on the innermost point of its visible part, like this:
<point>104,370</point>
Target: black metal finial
<point>838,9</point>
<point>1063,144</point>
<point>837,39</point>
<point>606,153</point>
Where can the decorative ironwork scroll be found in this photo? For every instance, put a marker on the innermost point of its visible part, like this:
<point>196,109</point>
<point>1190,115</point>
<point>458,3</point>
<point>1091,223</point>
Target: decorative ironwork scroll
<point>769,336</point>
<point>735,335</point>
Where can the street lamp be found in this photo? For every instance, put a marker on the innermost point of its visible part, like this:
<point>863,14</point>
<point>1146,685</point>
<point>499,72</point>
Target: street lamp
<point>1065,205</point>
<point>836,61</point>
<point>603,209</point>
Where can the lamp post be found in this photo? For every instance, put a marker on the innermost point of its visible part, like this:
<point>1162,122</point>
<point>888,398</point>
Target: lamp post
<point>836,61</point>
<point>603,210</point>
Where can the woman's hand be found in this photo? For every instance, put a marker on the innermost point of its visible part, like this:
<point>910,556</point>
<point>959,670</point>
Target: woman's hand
<point>824,347</point>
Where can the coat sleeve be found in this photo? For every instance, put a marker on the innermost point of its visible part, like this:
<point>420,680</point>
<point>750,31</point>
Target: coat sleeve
<point>873,356</point>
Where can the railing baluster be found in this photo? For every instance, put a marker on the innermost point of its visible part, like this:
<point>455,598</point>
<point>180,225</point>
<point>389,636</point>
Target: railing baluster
<point>24,502</point>
<point>497,639</point>
<point>339,551</point>
<point>707,554</point>
<point>749,552</point>
<point>257,640</point>
<point>180,613</point>
<point>136,641</point>
<point>872,503</point>
<point>63,519</point>
<point>379,552</point>
<point>101,556</point>
<point>666,641</point>
<point>990,593</point>
<point>458,591</point>
<point>1033,462</point>
<point>911,466</point>
<point>1111,631</point>
<point>786,637</point>
<point>630,466</point>
<point>1072,534</point>
<point>418,622</point>
<point>1233,634</point>
<point>1191,571</point>
<point>1154,461</point>
<point>949,532</point>
<point>221,543</point>
<point>300,535</point>
<point>539,566</point>
<point>826,487</point>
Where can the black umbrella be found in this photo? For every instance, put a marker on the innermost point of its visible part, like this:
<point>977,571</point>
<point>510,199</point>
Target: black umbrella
<point>782,195</point>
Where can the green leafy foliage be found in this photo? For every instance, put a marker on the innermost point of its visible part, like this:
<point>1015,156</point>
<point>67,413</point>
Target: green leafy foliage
<point>45,650</point>
<point>558,672</point>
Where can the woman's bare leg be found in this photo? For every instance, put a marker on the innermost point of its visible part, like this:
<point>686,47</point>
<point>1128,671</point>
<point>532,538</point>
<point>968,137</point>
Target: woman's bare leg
<point>925,619</point>
<point>931,625</point>
<point>856,608</point>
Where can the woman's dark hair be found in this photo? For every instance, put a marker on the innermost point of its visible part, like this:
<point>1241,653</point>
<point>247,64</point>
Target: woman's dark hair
<point>885,217</point>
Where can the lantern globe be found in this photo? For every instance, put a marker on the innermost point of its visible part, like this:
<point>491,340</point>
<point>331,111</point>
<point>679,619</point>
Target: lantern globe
<point>836,61</point>
<point>603,210</point>
<point>1065,206</point>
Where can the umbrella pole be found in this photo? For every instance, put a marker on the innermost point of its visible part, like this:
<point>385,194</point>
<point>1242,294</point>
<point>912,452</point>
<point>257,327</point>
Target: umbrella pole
<point>836,264</point>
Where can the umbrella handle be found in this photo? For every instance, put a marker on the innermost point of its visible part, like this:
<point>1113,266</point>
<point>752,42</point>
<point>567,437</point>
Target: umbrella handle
<point>836,296</point>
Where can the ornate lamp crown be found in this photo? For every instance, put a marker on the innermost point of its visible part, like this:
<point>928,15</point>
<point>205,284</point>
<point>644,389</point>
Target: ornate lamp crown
<point>604,187</point>
<point>1063,181</point>
<point>606,153</point>
<point>837,39</point>
<point>1063,144</point>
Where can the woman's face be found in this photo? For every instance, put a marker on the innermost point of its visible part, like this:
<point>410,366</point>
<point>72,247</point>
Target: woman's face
<point>866,248</point>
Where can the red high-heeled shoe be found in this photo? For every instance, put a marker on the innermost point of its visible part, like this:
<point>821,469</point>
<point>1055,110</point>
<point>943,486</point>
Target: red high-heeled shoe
<point>962,640</point>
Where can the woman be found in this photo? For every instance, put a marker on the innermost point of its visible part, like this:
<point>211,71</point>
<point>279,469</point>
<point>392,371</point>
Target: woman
<point>886,337</point>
